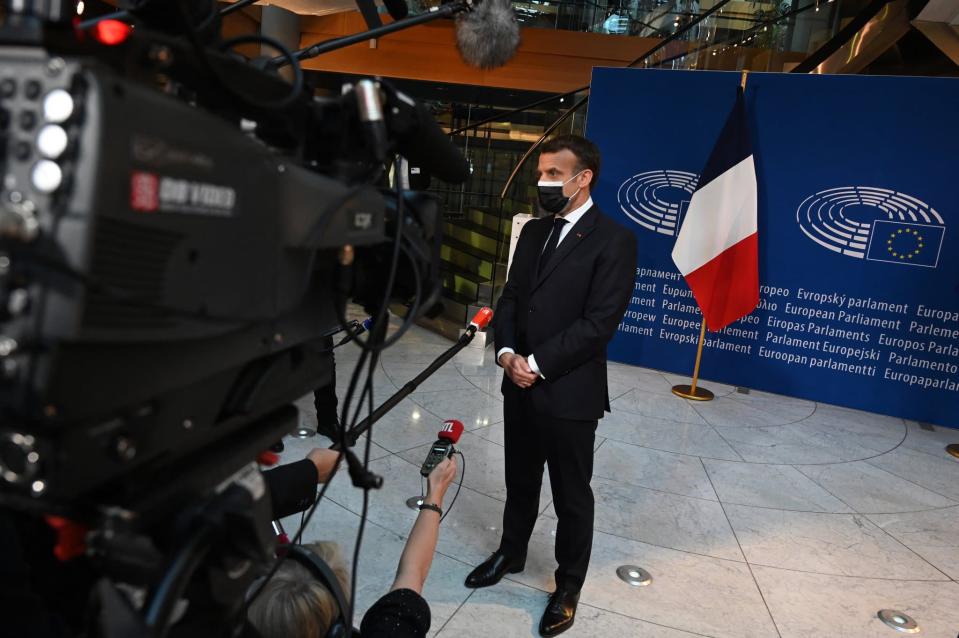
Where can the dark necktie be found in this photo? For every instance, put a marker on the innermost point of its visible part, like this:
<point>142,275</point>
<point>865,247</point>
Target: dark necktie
<point>552,242</point>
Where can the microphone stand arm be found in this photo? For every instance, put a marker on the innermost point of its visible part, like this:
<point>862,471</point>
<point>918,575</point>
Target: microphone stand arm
<point>443,11</point>
<point>356,432</point>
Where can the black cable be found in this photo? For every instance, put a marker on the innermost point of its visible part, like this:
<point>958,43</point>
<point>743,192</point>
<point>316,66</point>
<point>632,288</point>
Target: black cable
<point>414,308</point>
<point>366,505</point>
<point>162,602</point>
<point>296,88</point>
<point>368,391</point>
<point>458,488</point>
<point>192,34</point>
<point>377,332</point>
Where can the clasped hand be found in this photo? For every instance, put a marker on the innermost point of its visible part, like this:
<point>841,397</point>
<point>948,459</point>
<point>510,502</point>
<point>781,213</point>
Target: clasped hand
<point>518,370</point>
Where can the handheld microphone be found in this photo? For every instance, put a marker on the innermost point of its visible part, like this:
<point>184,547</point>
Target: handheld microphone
<point>443,447</point>
<point>356,328</point>
<point>367,323</point>
<point>480,320</point>
<point>488,36</point>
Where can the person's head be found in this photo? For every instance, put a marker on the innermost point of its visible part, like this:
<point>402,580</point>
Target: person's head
<point>294,604</point>
<point>573,162</point>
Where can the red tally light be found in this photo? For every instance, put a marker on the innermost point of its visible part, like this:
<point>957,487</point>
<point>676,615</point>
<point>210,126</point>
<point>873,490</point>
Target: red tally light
<point>71,538</point>
<point>111,32</point>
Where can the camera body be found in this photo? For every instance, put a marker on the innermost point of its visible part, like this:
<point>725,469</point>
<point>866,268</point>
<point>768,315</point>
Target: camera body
<point>153,251</point>
<point>179,231</point>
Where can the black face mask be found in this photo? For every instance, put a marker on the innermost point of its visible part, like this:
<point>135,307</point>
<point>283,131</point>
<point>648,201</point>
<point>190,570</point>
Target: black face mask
<point>551,198</point>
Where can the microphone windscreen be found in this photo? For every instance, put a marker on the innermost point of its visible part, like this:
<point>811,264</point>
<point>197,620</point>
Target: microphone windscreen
<point>488,36</point>
<point>452,430</point>
<point>482,318</point>
<point>397,9</point>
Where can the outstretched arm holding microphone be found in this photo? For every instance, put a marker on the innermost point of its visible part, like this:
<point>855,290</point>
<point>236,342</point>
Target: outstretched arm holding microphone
<point>296,604</point>
<point>418,554</point>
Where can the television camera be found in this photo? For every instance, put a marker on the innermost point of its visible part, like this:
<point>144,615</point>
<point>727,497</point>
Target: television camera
<point>179,227</point>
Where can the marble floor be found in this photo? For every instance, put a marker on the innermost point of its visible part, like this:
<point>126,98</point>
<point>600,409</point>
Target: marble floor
<point>757,515</point>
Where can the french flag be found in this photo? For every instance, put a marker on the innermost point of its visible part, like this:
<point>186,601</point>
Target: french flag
<point>717,247</point>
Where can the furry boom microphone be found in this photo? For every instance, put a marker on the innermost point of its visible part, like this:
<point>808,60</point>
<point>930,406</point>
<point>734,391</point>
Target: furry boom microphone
<point>488,36</point>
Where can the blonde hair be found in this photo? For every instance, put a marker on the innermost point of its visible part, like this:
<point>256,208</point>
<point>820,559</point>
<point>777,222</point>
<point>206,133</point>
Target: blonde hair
<point>296,605</point>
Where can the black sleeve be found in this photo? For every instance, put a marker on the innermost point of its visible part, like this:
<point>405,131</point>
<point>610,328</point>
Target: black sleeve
<point>504,319</point>
<point>399,614</point>
<point>292,487</point>
<point>609,293</point>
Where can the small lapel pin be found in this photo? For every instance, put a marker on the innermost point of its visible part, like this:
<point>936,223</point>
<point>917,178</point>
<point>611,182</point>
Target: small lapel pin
<point>579,235</point>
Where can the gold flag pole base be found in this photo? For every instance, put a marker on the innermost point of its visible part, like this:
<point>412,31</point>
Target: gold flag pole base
<point>953,449</point>
<point>692,391</point>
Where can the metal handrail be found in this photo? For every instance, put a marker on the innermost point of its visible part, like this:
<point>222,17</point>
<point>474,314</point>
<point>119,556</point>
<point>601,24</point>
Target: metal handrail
<point>740,39</point>
<point>552,127</point>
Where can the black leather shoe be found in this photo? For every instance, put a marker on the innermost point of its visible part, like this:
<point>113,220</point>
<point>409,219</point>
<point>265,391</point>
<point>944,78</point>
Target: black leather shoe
<point>560,613</point>
<point>492,570</point>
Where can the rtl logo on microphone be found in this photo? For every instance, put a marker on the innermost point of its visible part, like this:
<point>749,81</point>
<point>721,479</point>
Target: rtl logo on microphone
<point>451,431</point>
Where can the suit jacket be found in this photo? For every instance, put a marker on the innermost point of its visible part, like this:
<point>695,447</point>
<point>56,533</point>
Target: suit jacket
<point>567,314</point>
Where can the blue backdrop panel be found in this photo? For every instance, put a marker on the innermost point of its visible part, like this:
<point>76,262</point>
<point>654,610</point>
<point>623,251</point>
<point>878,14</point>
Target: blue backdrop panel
<point>858,231</point>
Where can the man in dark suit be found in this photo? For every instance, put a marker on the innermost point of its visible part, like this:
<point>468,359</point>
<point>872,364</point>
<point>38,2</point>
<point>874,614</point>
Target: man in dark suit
<point>568,287</point>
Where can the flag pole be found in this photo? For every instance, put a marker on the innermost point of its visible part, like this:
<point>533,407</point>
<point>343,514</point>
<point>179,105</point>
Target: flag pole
<point>692,391</point>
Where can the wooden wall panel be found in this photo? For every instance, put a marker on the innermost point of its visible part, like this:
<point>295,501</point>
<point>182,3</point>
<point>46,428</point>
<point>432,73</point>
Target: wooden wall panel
<point>547,60</point>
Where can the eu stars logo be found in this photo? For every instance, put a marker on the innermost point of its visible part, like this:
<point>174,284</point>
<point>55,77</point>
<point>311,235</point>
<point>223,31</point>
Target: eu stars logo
<point>906,243</point>
<point>905,249</point>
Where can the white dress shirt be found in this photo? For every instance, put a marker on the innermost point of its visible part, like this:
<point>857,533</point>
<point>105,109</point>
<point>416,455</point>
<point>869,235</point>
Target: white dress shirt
<point>571,218</point>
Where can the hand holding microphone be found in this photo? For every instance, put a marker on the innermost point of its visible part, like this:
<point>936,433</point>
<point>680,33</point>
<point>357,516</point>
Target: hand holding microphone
<point>440,468</point>
<point>439,481</point>
<point>443,447</point>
